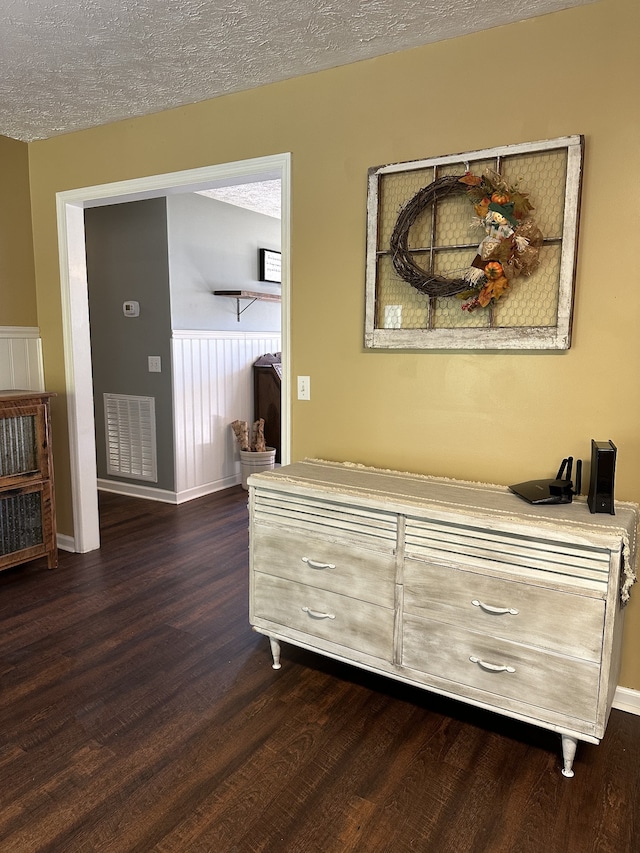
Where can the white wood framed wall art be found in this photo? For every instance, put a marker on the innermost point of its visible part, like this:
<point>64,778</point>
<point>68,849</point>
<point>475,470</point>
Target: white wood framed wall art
<point>474,250</point>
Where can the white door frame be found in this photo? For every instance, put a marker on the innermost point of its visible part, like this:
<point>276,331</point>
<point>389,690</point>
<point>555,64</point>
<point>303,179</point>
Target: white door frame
<point>75,310</point>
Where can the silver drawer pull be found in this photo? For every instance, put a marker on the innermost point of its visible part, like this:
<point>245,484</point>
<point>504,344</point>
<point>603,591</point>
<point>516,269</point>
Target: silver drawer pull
<point>492,667</point>
<point>313,564</point>
<point>317,615</point>
<point>499,611</point>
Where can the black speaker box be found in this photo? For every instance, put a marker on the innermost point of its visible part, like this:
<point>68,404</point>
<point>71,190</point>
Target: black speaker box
<point>603,471</point>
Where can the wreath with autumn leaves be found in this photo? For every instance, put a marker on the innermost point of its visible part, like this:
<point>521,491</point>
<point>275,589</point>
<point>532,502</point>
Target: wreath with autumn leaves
<point>509,250</point>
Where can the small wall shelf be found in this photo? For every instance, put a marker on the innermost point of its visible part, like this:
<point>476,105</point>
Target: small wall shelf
<point>252,295</point>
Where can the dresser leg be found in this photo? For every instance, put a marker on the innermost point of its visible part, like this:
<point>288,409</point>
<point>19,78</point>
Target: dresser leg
<point>569,745</point>
<point>275,651</point>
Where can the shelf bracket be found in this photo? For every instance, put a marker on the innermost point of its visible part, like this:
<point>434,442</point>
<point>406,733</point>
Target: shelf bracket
<point>251,295</point>
<point>240,311</point>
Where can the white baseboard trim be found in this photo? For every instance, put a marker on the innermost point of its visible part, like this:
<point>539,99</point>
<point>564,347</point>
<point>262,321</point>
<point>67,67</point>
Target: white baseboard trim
<point>207,488</point>
<point>136,490</point>
<point>628,700</point>
<point>66,543</point>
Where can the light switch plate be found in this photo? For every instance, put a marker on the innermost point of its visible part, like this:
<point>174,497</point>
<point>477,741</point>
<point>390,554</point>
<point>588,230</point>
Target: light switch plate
<point>304,388</point>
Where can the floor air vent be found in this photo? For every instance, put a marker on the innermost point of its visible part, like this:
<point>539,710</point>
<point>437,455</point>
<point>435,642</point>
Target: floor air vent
<point>130,428</point>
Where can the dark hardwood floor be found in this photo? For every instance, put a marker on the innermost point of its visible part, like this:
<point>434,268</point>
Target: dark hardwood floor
<point>138,712</point>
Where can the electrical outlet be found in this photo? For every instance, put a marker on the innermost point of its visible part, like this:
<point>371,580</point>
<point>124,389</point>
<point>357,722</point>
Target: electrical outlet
<point>304,388</point>
<point>155,364</point>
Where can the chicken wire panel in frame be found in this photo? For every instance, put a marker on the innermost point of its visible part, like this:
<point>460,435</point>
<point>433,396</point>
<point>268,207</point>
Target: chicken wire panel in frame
<point>543,176</point>
<point>533,300</point>
<point>394,191</point>
<point>442,241</point>
<point>399,306</point>
<point>434,238</point>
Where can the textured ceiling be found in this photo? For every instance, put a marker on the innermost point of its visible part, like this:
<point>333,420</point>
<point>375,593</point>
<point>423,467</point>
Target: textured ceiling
<point>259,196</point>
<point>71,64</point>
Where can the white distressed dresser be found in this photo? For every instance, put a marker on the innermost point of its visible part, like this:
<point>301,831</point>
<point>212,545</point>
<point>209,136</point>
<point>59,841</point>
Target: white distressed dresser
<point>459,588</point>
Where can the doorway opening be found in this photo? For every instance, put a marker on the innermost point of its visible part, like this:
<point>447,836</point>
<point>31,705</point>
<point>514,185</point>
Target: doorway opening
<point>76,331</point>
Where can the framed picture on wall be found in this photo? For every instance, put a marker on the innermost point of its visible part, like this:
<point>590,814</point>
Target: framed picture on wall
<point>474,250</point>
<point>270,264</point>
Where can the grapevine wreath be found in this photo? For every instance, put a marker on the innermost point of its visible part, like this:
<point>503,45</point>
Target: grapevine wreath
<point>510,248</point>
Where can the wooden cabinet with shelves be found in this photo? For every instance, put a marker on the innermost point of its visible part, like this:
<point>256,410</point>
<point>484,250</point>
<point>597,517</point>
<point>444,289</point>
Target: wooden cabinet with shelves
<point>27,498</point>
<point>458,588</point>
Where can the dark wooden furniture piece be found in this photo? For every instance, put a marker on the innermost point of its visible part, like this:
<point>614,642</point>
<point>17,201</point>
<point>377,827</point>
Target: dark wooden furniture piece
<point>267,380</point>
<point>27,501</point>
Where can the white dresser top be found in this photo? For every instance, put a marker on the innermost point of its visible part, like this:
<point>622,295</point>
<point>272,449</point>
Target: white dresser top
<point>494,507</point>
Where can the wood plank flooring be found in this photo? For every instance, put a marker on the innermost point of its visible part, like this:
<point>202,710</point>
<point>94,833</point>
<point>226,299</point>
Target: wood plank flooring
<point>140,714</point>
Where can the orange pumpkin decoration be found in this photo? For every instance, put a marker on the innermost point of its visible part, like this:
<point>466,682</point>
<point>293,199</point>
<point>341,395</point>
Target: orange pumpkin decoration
<point>493,270</point>
<point>499,197</point>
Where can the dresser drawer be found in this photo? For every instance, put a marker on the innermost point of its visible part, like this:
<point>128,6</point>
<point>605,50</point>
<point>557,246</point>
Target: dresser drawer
<point>541,679</point>
<point>340,619</point>
<point>552,559</point>
<point>361,573</point>
<point>560,621</point>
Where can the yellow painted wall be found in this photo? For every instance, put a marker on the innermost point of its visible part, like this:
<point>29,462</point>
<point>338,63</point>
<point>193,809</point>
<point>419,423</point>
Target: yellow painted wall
<point>493,417</point>
<point>17,277</point>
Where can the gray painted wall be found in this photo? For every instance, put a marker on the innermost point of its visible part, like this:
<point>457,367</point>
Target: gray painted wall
<point>127,259</point>
<point>214,246</point>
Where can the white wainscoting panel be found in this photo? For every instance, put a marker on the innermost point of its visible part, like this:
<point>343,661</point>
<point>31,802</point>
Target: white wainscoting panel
<point>21,358</point>
<point>212,386</point>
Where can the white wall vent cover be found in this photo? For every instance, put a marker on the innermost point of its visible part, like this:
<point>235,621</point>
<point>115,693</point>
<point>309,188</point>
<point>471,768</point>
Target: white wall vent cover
<point>130,428</point>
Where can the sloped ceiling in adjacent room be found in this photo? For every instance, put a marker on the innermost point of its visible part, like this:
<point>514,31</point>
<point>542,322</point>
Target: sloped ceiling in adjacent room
<point>259,196</point>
